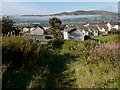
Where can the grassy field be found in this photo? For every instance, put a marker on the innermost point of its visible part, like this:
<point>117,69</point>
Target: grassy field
<point>109,38</point>
<point>69,63</point>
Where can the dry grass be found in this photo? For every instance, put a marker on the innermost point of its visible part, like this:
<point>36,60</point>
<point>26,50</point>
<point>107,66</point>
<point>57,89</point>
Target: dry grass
<point>100,69</point>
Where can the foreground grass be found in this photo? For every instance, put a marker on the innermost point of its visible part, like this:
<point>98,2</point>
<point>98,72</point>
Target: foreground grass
<point>97,67</point>
<point>73,64</point>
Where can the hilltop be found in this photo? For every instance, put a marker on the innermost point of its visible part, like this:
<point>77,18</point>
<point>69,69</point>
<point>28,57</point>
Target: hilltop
<point>79,12</point>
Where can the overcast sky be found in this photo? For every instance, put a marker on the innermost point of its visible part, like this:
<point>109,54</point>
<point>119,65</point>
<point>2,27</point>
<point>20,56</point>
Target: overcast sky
<point>18,8</point>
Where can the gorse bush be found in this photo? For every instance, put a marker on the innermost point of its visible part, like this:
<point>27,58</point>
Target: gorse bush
<point>20,51</point>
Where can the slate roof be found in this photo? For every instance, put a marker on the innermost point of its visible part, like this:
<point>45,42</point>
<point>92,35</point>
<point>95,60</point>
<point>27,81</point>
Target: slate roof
<point>103,26</point>
<point>67,29</point>
<point>82,27</point>
<point>91,26</point>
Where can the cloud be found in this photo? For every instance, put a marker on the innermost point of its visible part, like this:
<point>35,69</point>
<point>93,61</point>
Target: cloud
<point>9,8</point>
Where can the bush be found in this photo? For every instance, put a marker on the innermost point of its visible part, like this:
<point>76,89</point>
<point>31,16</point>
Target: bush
<point>113,31</point>
<point>69,63</point>
<point>20,51</point>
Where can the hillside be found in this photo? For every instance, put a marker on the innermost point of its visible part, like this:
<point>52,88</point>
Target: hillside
<point>82,12</point>
<point>59,64</point>
<point>78,12</point>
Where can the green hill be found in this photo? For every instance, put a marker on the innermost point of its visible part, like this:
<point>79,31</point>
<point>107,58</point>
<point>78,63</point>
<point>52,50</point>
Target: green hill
<point>70,64</point>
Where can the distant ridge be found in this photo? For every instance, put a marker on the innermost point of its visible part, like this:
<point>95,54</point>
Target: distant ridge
<point>79,12</point>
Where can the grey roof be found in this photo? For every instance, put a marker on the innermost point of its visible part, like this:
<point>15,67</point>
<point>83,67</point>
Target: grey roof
<point>114,23</point>
<point>93,27</point>
<point>37,31</point>
<point>82,27</point>
<point>103,26</point>
<point>67,29</point>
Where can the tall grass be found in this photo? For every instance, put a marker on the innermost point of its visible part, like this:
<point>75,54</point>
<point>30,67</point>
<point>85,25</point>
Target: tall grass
<point>100,69</point>
<point>72,64</point>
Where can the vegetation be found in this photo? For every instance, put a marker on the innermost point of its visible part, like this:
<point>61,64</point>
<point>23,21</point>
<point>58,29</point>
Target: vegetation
<point>109,38</point>
<point>8,26</point>
<point>73,64</point>
<point>60,63</point>
<point>20,56</point>
<point>55,27</point>
<point>113,31</point>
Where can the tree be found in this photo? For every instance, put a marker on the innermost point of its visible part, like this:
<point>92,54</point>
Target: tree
<point>55,23</point>
<point>8,26</point>
<point>56,27</point>
<point>101,21</point>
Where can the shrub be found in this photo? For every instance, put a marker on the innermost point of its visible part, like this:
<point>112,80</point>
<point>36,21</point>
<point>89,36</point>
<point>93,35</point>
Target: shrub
<point>19,51</point>
<point>113,31</point>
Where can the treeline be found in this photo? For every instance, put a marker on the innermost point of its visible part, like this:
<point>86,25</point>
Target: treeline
<point>55,27</point>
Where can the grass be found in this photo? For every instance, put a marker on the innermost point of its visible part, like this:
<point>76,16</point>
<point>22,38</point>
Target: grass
<point>109,38</point>
<point>69,63</point>
<point>93,67</point>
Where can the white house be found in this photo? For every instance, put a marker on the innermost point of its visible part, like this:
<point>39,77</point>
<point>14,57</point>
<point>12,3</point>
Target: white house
<point>113,26</point>
<point>74,34</point>
<point>65,33</point>
<point>25,29</point>
<point>96,32</point>
<point>46,28</point>
<point>101,29</point>
<point>116,27</point>
<point>31,29</point>
<point>109,26</point>
<point>84,28</point>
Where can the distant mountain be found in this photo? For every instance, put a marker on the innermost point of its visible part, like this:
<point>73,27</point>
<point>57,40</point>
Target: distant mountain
<point>82,12</point>
<point>79,12</point>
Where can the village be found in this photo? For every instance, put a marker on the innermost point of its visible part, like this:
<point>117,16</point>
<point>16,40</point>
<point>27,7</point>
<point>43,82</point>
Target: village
<point>53,45</point>
<point>72,32</point>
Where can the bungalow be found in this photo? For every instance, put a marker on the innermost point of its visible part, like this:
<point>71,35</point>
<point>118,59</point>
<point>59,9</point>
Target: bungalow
<point>93,29</point>
<point>73,33</point>
<point>46,28</point>
<point>32,29</point>
<point>84,29</point>
<point>25,29</point>
<point>113,25</point>
<point>98,28</point>
<point>103,29</point>
<point>37,31</point>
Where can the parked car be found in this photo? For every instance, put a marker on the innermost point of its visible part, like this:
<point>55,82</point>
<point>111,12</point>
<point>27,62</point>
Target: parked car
<point>48,37</point>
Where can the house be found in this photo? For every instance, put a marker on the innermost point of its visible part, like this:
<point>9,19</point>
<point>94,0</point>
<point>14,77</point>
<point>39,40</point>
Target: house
<point>98,28</point>
<point>109,26</point>
<point>93,29</point>
<point>65,34</point>
<point>32,29</point>
<point>25,29</point>
<point>37,31</point>
<point>73,33</point>
<point>116,27</point>
<point>96,33</point>
<point>103,29</point>
<point>84,29</point>
<point>46,28</point>
<point>113,25</point>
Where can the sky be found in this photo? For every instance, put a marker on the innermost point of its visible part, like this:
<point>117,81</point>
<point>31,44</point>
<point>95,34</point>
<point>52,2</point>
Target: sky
<point>34,8</point>
<point>60,0</point>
